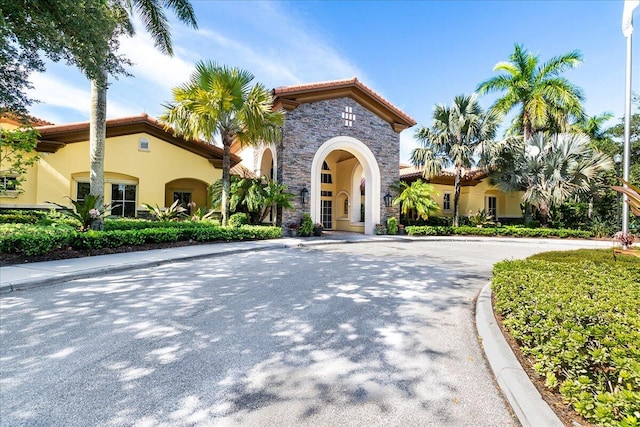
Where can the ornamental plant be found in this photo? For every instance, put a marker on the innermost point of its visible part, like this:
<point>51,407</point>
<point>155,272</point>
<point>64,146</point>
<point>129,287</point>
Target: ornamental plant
<point>306,226</point>
<point>172,213</point>
<point>86,211</point>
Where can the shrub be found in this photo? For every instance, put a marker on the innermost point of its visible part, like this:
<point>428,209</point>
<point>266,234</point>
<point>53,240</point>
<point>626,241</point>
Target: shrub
<point>172,213</point>
<point>512,231</point>
<point>33,240</point>
<point>575,315</point>
<point>306,226</point>
<point>392,225</point>
<point>238,219</point>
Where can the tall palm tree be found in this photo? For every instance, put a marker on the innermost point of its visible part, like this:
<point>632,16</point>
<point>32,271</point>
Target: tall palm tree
<point>552,168</point>
<point>545,101</point>
<point>152,15</point>
<point>416,199</point>
<point>456,139</point>
<point>218,100</point>
<point>592,126</point>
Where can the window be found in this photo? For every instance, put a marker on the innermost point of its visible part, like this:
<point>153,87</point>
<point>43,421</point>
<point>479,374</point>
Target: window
<point>345,207</point>
<point>184,198</point>
<point>82,189</point>
<point>446,201</point>
<point>325,214</point>
<point>325,175</point>
<point>492,207</point>
<point>8,183</point>
<point>123,197</point>
<point>326,193</point>
<point>348,116</point>
<point>143,144</point>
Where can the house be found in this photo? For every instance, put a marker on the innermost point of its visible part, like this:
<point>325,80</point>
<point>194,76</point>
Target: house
<point>339,153</point>
<point>476,194</point>
<point>144,163</point>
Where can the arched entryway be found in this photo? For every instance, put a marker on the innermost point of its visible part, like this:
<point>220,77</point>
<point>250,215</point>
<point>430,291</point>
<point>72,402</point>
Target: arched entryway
<point>266,163</point>
<point>351,160</point>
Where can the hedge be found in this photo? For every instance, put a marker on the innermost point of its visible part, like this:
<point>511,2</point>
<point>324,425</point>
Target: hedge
<point>509,231</point>
<point>577,318</point>
<point>37,240</point>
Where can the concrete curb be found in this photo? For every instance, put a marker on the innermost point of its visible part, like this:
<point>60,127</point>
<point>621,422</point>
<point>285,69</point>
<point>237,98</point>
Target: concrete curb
<point>524,398</point>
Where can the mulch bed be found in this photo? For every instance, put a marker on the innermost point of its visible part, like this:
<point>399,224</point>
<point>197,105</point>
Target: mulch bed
<point>566,414</point>
<point>13,259</point>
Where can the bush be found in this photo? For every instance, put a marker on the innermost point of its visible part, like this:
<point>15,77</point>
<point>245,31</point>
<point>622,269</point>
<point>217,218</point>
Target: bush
<point>392,225</point>
<point>575,315</point>
<point>509,231</point>
<point>37,240</point>
<point>306,226</point>
<point>238,219</point>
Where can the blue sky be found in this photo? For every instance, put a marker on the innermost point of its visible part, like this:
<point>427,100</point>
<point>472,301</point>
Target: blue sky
<point>414,53</point>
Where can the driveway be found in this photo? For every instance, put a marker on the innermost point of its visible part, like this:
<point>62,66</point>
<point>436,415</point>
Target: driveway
<point>353,334</point>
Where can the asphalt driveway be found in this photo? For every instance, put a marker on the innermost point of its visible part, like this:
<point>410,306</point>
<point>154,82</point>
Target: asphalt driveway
<point>352,334</point>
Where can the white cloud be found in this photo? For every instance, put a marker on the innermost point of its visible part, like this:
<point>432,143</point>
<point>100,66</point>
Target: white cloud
<point>54,92</point>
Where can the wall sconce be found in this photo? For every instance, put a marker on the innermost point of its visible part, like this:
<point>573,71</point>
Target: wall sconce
<point>304,193</point>
<point>387,199</point>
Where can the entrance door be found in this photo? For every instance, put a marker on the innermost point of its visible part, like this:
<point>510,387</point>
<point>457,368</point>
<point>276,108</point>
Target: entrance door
<point>325,214</point>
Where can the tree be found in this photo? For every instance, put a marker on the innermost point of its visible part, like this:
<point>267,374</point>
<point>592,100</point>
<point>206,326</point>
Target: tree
<point>545,101</point>
<point>218,100</point>
<point>457,138</point>
<point>416,199</point>
<point>552,168</point>
<point>75,31</point>
<point>152,15</point>
<point>617,133</point>
<point>17,154</point>
<point>256,196</point>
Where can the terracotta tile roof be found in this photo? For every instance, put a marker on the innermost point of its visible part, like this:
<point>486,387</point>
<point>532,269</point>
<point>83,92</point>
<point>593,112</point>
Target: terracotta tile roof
<point>18,120</point>
<point>409,172</point>
<point>314,91</point>
<point>54,137</point>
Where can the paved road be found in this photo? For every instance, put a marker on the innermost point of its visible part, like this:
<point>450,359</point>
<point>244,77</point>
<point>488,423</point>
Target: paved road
<point>352,334</point>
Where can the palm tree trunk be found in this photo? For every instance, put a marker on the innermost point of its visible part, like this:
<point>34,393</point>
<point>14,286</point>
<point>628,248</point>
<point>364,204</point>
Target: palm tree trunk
<point>544,214</point>
<point>456,196</point>
<point>226,178</point>
<point>97,138</point>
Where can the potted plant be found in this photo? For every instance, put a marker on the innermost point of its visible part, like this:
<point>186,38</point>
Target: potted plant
<point>317,229</point>
<point>291,229</point>
<point>380,229</point>
<point>306,226</point>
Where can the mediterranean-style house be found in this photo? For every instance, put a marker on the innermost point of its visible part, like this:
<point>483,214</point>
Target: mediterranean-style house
<point>476,194</point>
<point>339,154</point>
<point>144,163</point>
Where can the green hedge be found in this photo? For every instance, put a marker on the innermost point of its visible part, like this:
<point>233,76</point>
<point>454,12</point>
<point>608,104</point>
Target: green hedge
<point>577,317</point>
<point>509,231</point>
<point>37,240</point>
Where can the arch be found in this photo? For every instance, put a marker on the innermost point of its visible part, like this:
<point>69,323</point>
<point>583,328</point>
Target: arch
<point>371,173</point>
<point>266,164</point>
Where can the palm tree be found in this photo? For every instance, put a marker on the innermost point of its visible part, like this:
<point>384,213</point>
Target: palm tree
<point>416,199</point>
<point>592,126</point>
<point>152,15</point>
<point>218,100</point>
<point>552,168</point>
<point>545,100</point>
<point>457,138</point>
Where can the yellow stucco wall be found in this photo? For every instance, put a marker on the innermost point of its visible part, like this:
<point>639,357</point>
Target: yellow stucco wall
<point>474,199</point>
<point>56,174</point>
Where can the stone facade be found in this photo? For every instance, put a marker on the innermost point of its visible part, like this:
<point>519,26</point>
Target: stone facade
<point>311,124</point>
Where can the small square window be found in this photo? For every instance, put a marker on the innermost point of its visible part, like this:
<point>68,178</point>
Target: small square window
<point>143,144</point>
<point>9,185</point>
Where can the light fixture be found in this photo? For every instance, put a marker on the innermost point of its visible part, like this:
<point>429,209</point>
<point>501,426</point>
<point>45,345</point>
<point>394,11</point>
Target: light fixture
<point>303,194</point>
<point>617,158</point>
<point>387,199</point>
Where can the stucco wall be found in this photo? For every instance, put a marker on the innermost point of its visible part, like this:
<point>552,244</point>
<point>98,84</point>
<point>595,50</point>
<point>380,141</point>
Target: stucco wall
<point>310,125</point>
<point>56,174</point>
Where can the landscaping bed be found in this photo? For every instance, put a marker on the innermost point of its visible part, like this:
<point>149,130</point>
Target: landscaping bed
<point>576,319</point>
<point>30,242</point>
<point>507,231</point>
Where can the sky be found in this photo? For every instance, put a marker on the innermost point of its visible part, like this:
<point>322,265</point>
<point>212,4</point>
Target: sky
<point>416,54</point>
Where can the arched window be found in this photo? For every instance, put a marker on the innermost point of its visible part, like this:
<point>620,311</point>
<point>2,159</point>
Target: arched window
<point>325,175</point>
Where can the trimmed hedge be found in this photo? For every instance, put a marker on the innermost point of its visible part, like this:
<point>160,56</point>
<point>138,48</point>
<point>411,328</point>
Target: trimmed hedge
<point>37,240</point>
<point>509,231</point>
<point>577,318</point>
